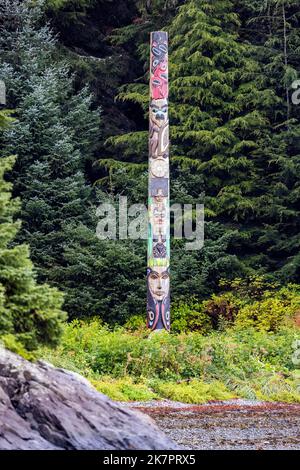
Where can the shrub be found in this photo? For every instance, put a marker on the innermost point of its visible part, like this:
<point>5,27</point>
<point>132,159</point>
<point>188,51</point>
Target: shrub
<point>135,322</point>
<point>266,315</point>
<point>194,391</point>
<point>272,311</point>
<point>124,389</point>
<point>189,316</point>
<point>222,310</point>
<point>244,360</point>
<point>249,288</point>
<point>253,302</point>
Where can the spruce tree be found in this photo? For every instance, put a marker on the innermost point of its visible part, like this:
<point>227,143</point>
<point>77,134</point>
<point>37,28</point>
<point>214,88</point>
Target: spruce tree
<point>53,137</point>
<point>277,49</point>
<point>219,121</point>
<point>31,314</point>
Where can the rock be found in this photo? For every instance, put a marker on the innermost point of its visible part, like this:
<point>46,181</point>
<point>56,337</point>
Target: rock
<point>42,407</point>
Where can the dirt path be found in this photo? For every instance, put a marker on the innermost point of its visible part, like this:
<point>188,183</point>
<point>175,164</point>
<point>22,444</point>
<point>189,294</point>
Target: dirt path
<point>235,424</point>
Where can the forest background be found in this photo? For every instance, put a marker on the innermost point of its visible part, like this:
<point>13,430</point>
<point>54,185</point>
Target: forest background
<point>74,133</point>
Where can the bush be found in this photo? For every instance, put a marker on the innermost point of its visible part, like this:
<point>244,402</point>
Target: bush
<point>187,367</point>
<point>136,322</point>
<point>273,310</point>
<point>254,303</point>
<point>194,391</point>
<point>222,310</point>
<point>189,316</point>
<point>124,389</point>
<point>266,315</point>
<point>249,288</point>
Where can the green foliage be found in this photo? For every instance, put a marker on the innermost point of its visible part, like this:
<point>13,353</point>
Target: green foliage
<point>97,276</point>
<point>9,341</point>
<point>135,322</point>
<point>194,391</point>
<point>265,315</point>
<point>250,288</point>
<point>218,108</point>
<point>190,316</point>
<point>124,389</point>
<point>30,313</point>
<point>277,49</point>
<point>272,311</point>
<point>150,15</point>
<point>253,302</point>
<point>68,12</point>
<point>5,118</point>
<point>53,136</point>
<point>244,303</point>
<point>186,367</point>
<point>222,310</point>
<point>58,4</point>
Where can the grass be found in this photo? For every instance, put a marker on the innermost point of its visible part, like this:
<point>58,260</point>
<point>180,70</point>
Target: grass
<point>124,389</point>
<point>191,368</point>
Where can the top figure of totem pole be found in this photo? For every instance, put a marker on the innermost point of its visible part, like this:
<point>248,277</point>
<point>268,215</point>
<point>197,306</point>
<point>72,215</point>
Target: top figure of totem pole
<point>158,274</point>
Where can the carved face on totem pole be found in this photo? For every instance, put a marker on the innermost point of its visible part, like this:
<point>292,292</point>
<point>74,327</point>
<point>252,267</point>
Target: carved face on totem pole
<point>158,297</point>
<point>159,138</point>
<point>159,188</point>
<point>159,112</point>
<point>159,197</point>
<point>159,214</point>
<point>159,282</point>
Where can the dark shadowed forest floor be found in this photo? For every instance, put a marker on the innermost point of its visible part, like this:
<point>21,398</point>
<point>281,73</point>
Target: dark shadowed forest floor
<point>234,424</point>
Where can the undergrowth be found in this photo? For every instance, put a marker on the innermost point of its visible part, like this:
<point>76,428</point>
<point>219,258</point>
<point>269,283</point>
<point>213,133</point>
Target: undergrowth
<point>187,367</point>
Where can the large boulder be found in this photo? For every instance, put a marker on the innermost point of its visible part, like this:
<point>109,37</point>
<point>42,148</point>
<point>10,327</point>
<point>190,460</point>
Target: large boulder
<point>42,407</point>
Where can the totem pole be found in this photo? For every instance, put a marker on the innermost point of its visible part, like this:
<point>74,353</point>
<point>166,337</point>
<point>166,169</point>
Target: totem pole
<point>158,275</point>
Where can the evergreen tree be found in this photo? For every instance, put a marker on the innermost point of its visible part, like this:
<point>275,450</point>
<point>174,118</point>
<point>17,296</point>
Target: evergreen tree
<point>30,313</point>
<point>219,121</point>
<point>277,49</point>
<point>52,136</point>
<point>234,130</point>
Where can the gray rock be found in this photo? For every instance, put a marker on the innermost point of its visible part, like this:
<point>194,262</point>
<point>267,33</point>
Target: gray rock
<point>42,407</point>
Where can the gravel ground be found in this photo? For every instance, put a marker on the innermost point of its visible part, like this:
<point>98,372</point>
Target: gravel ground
<point>232,425</point>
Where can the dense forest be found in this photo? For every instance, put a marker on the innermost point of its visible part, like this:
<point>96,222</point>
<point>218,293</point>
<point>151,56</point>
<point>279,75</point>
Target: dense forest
<point>76,124</point>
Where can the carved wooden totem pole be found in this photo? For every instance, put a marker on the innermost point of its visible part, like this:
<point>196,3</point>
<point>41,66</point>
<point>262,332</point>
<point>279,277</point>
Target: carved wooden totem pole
<point>158,275</point>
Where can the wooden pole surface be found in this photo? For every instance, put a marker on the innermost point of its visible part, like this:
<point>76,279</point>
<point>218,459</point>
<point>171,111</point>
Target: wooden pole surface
<point>158,270</point>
